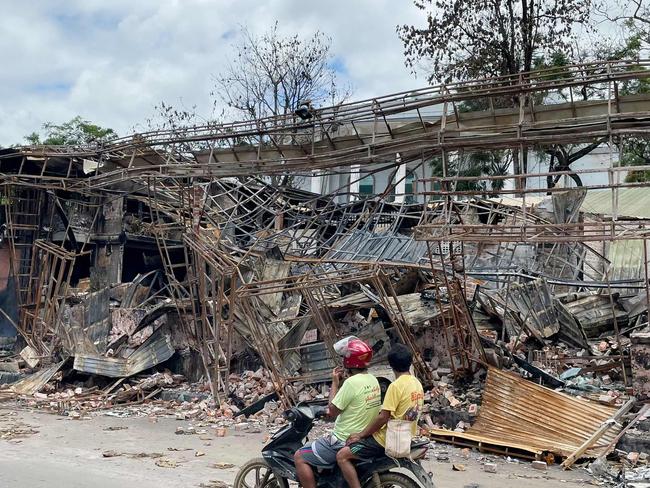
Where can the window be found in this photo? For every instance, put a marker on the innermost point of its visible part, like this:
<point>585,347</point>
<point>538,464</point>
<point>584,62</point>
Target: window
<point>367,186</point>
<point>409,187</point>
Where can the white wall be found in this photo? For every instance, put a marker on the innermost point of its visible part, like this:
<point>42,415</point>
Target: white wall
<point>600,158</point>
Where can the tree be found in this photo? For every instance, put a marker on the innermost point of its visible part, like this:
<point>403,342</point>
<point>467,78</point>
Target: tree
<point>632,20</point>
<point>476,164</point>
<point>468,39</point>
<point>635,14</point>
<point>267,75</point>
<point>75,132</point>
<point>561,158</point>
<point>636,152</point>
<point>273,74</point>
<point>179,120</point>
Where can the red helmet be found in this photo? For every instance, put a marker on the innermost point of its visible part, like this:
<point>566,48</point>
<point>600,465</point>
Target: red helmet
<point>356,353</point>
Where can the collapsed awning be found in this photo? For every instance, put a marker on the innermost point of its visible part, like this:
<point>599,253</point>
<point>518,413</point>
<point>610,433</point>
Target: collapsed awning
<point>519,415</point>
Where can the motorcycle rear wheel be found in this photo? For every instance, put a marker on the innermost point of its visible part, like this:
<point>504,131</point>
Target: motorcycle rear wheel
<point>392,480</point>
<point>255,473</point>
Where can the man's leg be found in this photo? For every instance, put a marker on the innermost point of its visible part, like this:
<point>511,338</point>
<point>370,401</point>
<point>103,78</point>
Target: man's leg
<point>304,471</point>
<point>344,459</point>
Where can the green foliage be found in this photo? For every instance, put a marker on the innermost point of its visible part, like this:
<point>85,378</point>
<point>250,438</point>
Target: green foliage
<point>476,164</point>
<point>631,45</point>
<point>467,39</point>
<point>555,64</point>
<point>638,177</point>
<point>636,152</point>
<point>76,131</point>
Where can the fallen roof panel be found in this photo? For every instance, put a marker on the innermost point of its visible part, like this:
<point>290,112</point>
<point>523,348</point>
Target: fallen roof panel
<point>33,383</point>
<point>522,415</point>
<point>156,349</point>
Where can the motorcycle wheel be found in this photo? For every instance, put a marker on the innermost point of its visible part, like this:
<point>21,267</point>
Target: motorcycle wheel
<point>395,480</point>
<point>255,473</point>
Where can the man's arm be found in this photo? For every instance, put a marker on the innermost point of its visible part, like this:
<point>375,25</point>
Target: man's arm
<point>381,420</point>
<point>332,410</point>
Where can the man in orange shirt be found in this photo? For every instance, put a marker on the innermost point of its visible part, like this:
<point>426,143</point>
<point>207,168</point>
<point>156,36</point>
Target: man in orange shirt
<point>404,400</point>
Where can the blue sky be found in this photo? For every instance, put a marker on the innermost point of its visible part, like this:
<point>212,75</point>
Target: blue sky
<point>111,62</point>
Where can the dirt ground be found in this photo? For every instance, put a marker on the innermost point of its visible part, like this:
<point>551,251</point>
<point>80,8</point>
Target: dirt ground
<point>42,450</point>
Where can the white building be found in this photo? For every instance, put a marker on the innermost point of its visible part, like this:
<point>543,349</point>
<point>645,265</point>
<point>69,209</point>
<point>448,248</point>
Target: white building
<point>406,185</point>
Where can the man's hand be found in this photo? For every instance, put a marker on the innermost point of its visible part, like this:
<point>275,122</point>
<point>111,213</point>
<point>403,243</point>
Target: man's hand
<point>337,373</point>
<point>353,438</point>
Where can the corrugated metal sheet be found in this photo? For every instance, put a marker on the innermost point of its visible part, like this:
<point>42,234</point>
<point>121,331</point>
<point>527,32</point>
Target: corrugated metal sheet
<point>416,307</point>
<point>571,331</point>
<point>596,314</point>
<point>378,246</point>
<point>632,202</point>
<point>358,299</point>
<point>627,263</point>
<point>534,303</point>
<point>522,415</point>
<point>156,349</point>
<point>33,383</point>
<point>317,363</point>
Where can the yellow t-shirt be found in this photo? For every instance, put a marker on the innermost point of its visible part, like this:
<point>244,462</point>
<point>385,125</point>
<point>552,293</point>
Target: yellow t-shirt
<point>404,395</point>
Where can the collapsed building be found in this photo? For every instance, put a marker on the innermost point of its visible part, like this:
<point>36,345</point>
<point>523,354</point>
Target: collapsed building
<point>189,249</point>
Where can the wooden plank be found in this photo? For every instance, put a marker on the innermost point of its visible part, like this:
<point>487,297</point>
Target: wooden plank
<point>568,462</point>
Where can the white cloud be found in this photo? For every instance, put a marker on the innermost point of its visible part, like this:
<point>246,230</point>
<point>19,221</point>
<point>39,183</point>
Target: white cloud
<point>111,62</point>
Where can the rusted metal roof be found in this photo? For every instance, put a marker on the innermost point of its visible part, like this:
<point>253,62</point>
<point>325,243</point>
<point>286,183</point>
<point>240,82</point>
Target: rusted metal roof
<point>522,415</point>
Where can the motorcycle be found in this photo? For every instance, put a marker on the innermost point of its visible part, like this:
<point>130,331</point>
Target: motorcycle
<point>275,469</point>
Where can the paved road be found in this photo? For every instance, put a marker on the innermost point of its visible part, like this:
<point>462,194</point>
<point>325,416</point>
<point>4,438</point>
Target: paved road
<point>69,453</point>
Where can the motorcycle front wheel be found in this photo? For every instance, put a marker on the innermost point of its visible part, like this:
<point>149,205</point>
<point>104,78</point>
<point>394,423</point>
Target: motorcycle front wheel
<point>255,473</point>
<point>392,480</point>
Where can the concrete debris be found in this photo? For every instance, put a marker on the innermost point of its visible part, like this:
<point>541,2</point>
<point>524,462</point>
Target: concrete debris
<point>490,467</point>
<point>214,484</point>
<point>30,356</point>
<point>167,463</point>
<point>17,430</point>
<point>640,355</point>
<point>633,457</point>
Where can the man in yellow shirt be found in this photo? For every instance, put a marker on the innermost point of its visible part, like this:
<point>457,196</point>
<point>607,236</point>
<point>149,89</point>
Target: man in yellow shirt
<point>404,400</point>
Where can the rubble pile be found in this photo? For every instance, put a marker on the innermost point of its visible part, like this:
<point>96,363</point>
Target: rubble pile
<point>161,394</point>
<point>250,386</point>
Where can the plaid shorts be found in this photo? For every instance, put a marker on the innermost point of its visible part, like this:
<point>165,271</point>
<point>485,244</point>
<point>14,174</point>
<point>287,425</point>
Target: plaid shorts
<point>367,448</point>
<point>321,453</point>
